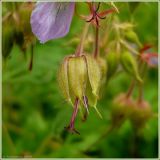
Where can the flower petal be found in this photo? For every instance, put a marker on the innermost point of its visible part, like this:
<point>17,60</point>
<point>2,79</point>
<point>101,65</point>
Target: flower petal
<point>51,20</point>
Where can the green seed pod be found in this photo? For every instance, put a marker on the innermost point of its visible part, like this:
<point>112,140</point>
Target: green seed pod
<point>132,37</point>
<point>130,65</point>
<point>94,81</point>
<point>79,77</point>
<point>121,110</point>
<point>63,80</point>
<point>103,68</point>
<point>94,74</point>
<point>141,114</point>
<point>8,32</point>
<point>112,63</point>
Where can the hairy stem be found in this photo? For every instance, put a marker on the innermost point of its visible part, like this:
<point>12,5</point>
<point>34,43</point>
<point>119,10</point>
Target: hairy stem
<point>143,68</point>
<point>140,97</point>
<point>80,47</point>
<point>74,114</point>
<point>130,90</point>
<point>96,52</point>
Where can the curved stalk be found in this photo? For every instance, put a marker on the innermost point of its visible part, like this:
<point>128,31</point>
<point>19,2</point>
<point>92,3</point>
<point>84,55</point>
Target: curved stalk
<point>74,114</point>
<point>96,52</point>
<point>130,90</point>
<point>80,47</point>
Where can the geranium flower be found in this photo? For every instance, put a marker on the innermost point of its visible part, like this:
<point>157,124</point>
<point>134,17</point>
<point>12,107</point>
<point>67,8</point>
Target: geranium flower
<point>51,20</point>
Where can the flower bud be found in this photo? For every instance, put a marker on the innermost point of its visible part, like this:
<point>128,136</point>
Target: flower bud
<point>130,65</point>
<point>121,109</point>
<point>141,114</point>
<point>112,63</point>
<point>132,37</point>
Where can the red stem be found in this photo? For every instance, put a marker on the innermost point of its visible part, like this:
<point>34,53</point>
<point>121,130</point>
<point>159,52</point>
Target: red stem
<point>96,52</point>
<point>74,114</point>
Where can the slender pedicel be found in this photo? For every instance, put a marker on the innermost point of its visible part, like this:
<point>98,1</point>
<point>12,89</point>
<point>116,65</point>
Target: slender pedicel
<point>74,114</point>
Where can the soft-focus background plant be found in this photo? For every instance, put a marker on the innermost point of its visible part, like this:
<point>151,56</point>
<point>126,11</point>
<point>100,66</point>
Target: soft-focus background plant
<point>35,114</point>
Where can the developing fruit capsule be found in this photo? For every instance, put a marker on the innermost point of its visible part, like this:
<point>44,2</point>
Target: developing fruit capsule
<point>112,63</point>
<point>79,79</point>
<point>130,65</point>
<point>121,109</point>
<point>141,114</point>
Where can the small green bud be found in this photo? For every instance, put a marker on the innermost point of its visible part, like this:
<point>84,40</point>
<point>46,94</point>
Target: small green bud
<point>141,114</point>
<point>121,109</point>
<point>112,63</point>
<point>130,65</point>
<point>132,37</point>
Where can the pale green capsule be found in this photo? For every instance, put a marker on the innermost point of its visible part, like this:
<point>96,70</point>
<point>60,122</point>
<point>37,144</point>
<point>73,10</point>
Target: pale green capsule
<point>94,74</point>
<point>63,80</point>
<point>103,67</point>
<point>132,37</point>
<point>112,63</point>
<point>130,65</point>
<point>77,75</point>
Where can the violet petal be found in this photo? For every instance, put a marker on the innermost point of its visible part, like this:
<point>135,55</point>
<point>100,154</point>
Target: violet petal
<point>51,20</point>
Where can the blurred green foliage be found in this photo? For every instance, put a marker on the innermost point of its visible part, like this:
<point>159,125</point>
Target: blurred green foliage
<point>35,114</point>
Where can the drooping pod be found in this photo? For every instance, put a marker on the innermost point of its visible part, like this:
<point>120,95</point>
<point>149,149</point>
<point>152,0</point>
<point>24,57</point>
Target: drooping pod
<point>63,80</point>
<point>103,67</point>
<point>79,78</point>
<point>141,114</point>
<point>130,65</point>
<point>121,110</point>
<point>131,36</point>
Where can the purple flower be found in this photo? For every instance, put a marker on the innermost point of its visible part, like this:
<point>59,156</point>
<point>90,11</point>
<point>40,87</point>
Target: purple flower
<point>51,20</point>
